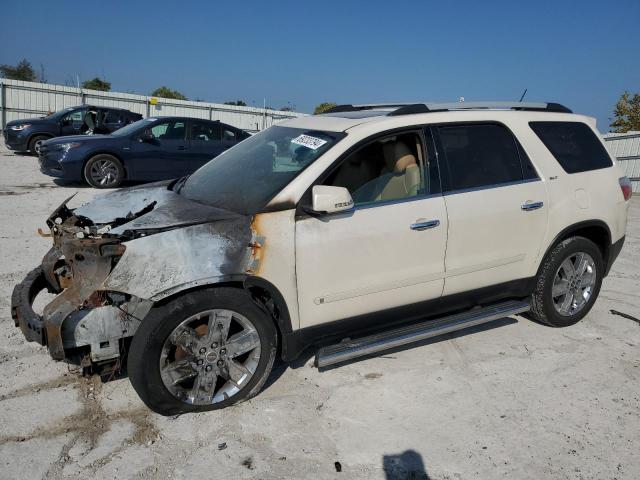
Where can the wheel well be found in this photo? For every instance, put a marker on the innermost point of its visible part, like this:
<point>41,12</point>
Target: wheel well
<point>263,294</point>
<point>43,134</point>
<point>94,154</point>
<point>596,233</point>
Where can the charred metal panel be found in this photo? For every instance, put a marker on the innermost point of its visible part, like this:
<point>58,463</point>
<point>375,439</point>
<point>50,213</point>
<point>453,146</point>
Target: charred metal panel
<point>156,266</point>
<point>124,204</point>
<point>276,252</point>
<point>102,327</point>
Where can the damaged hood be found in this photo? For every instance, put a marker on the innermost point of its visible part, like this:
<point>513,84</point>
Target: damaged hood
<point>146,209</point>
<point>148,242</point>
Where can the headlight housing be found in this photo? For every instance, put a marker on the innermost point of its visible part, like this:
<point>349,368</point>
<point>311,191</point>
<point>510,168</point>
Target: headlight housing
<point>68,146</point>
<point>22,126</point>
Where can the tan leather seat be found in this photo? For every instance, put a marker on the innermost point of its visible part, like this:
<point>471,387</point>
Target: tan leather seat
<point>401,176</point>
<point>355,171</point>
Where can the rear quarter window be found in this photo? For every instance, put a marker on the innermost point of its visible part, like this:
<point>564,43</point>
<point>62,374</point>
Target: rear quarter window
<point>573,144</point>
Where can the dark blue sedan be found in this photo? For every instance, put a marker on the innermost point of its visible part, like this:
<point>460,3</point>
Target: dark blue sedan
<point>158,148</point>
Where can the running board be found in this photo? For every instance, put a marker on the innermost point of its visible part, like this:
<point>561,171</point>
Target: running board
<point>350,349</point>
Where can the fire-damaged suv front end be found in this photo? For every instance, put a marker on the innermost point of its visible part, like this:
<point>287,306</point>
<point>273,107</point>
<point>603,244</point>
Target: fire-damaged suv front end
<point>108,269</point>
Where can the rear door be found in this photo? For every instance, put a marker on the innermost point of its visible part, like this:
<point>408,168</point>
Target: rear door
<point>112,120</point>
<point>206,142</point>
<point>496,205</point>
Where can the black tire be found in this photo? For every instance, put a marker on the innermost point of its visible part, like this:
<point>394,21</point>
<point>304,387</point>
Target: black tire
<point>542,303</point>
<point>34,143</point>
<point>112,179</point>
<point>144,357</point>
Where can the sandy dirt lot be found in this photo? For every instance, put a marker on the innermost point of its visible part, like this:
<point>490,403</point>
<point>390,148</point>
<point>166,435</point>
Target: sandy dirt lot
<point>511,400</point>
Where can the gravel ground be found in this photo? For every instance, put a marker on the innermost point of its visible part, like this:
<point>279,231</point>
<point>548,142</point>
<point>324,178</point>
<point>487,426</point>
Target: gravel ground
<point>511,400</point>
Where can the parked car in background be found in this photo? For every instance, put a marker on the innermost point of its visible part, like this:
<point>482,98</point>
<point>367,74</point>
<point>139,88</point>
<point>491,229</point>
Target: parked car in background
<point>157,148</point>
<point>28,134</point>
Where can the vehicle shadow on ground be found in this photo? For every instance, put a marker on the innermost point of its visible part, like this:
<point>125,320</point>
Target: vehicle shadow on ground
<point>407,465</point>
<point>281,367</point>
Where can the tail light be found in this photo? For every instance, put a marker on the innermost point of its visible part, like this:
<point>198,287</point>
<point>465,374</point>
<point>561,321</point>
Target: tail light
<point>625,186</point>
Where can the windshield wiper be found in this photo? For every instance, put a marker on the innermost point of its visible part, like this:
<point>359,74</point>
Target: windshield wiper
<point>179,183</point>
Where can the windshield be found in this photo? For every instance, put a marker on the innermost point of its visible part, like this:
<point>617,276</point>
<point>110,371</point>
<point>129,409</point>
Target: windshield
<point>60,113</point>
<point>131,128</point>
<point>246,177</point>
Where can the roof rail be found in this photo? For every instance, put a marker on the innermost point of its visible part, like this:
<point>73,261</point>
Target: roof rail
<point>412,108</point>
<point>368,106</point>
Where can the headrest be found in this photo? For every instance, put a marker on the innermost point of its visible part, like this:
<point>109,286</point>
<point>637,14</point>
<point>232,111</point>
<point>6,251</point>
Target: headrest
<point>398,157</point>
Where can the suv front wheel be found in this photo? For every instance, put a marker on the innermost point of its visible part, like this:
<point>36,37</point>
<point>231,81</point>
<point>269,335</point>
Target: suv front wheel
<point>202,351</point>
<point>568,283</point>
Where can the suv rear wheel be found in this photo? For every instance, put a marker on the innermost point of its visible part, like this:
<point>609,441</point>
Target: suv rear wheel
<point>568,283</point>
<point>104,171</point>
<point>205,350</point>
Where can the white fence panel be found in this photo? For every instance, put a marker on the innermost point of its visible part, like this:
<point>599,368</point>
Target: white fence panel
<point>29,99</point>
<point>626,148</point>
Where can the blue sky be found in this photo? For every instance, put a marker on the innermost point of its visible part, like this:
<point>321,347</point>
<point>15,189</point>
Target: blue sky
<point>582,54</point>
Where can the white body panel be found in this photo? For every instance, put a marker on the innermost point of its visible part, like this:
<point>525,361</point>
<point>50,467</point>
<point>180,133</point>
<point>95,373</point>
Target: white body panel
<point>276,256</point>
<point>491,239</point>
<point>369,259</point>
<point>353,264</point>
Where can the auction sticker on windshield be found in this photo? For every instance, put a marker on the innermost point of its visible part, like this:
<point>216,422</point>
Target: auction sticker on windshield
<point>308,141</point>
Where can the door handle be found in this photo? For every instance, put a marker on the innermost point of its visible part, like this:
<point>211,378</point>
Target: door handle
<point>527,207</point>
<point>182,147</point>
<point>425,225</point>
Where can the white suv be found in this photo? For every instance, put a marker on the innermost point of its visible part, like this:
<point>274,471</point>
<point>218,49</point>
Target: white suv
<point>365,228</point>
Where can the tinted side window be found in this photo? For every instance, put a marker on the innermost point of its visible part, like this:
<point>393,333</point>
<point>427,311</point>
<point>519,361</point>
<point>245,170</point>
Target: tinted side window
<point>573,144</point>
<point>172,130</point>
<point>229,135</point>
<point>113,116</point>
<point>480,155</point>
<point>205,131</point>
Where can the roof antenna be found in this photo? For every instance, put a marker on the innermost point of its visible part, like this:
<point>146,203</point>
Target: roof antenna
<point>523,94</point>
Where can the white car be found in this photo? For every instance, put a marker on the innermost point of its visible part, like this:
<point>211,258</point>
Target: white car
<point>359,230</point>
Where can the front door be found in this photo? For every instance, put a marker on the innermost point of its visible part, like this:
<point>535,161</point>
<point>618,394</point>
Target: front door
<point>72,122</point>
<point>163,155</point>
<point>496,204</point>
<point>387,252</point>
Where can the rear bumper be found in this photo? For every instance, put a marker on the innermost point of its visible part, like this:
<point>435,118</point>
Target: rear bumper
<point>612,254</point>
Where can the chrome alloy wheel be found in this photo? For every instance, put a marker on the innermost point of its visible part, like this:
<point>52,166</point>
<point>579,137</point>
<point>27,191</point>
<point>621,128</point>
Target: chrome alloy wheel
<point>210,357</point>
<point>37,145</point>
<point>104,172</point>
<point>573,283</point>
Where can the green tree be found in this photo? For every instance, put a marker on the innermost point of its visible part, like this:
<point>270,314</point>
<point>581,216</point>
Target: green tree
<point>22,71</point>
<point>626,115</point>
<point>166,92</point>
<point>237,103</point>
<point>323,107</point>
<point>97,84</point>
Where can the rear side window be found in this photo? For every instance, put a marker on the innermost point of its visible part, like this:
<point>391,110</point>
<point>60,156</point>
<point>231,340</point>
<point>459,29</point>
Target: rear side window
<point>573,144</point>
<point>205,131</point>
<point>480,156</point>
